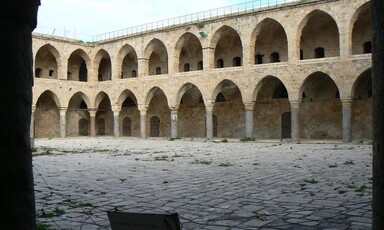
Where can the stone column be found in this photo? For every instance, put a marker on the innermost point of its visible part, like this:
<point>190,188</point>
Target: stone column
<point>143,123</point>
<point>249,119</point>
<point>208,58</point>
<point>92,122</point>
<point>347,119</point>
<point>209,122</point>
<point>32,127</point>
<point>63,122</point>
<point>174,121</point>
<point>17,20</point>
<point>378,113</point>
<point>142,66</point>
<point>116,121</point>
<point>295,120</point>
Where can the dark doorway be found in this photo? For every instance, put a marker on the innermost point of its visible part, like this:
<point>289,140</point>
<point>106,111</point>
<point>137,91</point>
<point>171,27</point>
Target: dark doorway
<point>83,127</point>
<point>127,127</point>
<point>286,125</point>
<point>101,126</point>
<point>154,127</point>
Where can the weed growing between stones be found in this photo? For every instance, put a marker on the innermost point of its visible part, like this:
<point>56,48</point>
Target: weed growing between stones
<point>226,164</point>
<point>202,162</point>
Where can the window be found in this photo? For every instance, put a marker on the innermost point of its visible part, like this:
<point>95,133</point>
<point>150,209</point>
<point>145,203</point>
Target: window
<point>367,47</point>
<point>69,76</point>
<point>38,72</point>
<point>51,73</point>
<point>134,73</point>
<point>158,71</point>
<point>220,63</point>
<point>237,61</point>
<point>259,59</point>
<point>200,65</point>
<point>186,67</point>
<point>319,52</point>
<point>301,54</point>
<point>83,72</point>
<point>275,57</point>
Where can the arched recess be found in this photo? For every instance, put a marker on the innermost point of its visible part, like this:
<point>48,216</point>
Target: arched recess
<point>362,30</point>
<point>189,52</point>
<point>229,110</point>
<point>46,62</point>
<point>129,112</point>
<point>191,113</point>
<point>78,64</point>
<point>362,106</point>
<point>158,107</point>
<point>103,63</point>
<point>319,32</point>
<point>271,44</point>
<point>104,115</point>
<point>157,56</point>
<point>128,59</point>
<point>272,110</point>
<point>320,109</point>
<point>47,116</point>
<point>78,116</point>
<point>228,46</point>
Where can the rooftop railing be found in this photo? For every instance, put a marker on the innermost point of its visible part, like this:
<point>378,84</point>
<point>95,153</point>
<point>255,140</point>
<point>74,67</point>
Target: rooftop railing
<point>195,18</point>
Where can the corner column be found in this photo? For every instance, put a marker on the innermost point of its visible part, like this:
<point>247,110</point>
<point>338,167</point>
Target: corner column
<point>92,122</point>
<point>143,121</point>
<point>116,120</point>
<point>249,119</point>
<point>174,121</point>
<point>63,122</point>
<point>347,119</point>
<point>295,122</point>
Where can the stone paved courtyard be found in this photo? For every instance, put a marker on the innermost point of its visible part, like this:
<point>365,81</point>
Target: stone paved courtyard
<point>211,185</point>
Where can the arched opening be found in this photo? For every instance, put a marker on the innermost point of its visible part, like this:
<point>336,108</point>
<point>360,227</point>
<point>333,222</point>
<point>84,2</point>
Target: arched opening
<point>158,57</point>
<point>320,112</point>
<point>362,107</point>
<point>104,72</point>
<point>77,119</point>
<point>154,127</point>
<point>129,65</point>
<point>46,62</point>
<point>104,115</point>
<point>189,51</point>
<point>227,45</point>
<point>47,116</point>
<point>127,127</point>
<point>270,110</point>
<point>270,38</point>
<point>158,107</point>
<point>77,66</point>
<point>38,73</point>
<point>362,32</point>
<point>318,27</point>
<point>230,110</point>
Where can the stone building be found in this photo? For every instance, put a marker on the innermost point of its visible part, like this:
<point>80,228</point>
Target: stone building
<point>299,70</point>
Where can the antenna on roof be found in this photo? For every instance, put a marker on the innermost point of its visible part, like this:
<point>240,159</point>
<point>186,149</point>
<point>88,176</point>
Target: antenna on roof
<point>53,31</point>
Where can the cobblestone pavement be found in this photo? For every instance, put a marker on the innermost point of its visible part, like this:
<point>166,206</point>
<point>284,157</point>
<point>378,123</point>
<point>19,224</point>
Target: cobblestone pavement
<point>211,185</point>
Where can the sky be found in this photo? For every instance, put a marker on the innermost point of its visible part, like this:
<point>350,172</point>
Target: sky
<point>82,19</point>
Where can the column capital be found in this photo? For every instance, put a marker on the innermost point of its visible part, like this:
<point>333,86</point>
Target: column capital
<point>116,108</point>
<point>33,108</point>
<point>142,107</point>
<point>346,102</point>
<point>295,103</point>
<point>249,106</point>
<point>92,112</point>
<point>63,111</point>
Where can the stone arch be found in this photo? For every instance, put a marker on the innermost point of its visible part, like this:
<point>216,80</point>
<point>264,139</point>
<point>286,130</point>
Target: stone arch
<point>157,103</point>
<point>320,109</point>
<point>269,37</point>
<point>227,44</point>
<point>157,56</point>
<point>361,31</point>
<point>102,61</point>
<point>78,64</point>
<point>104,114</point>
<point>129,109</point>
<point>316,29</point>
<point>230,113</point>
<point>362,106</point>
<point>191,111</point>
<point>47,62</point>
<point>47,115</point>
<point>127,59</point>
<point>189,51</point>
<point>77,114</point>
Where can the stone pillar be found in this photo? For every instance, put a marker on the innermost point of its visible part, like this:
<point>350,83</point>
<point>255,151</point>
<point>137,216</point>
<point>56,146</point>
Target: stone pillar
<point>143,123</point>
<point>62,71</point>
<point>249,119</point>
<point>174,121</point>
<point>17,20</point>
<point>295,120</point>
<point>32,127</point>
<point>142,66</point>
<point>63,122</point>
<point>347,119</point>
<point>378,113</point>
<point>208,58</point>
<point>209,122</point>
<point>116,120</point>
<point>92,122</point>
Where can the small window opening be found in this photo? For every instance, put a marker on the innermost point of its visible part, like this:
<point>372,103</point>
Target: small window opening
<point>200,65</point>
<point>275,57</point>
<point>259,59</point>
<point>186,67</point>
<point>69,75</point>
<point>134,73</point>
<point>100,77</point>
<point>367,47</point>
<point>220,63</point>
<point>51,73</point>
<point>237,61</point>
<point>83,72</point>
<point>301,55</point>
<point>38,72</point>
<point>158,71</point>
<point>220,98</point>
<point>319,52</point>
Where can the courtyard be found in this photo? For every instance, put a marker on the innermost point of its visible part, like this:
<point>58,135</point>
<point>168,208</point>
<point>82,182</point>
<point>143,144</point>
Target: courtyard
<point>221,184</point>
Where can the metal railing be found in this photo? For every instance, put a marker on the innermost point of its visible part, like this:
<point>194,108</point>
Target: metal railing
<point>195,18</point>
